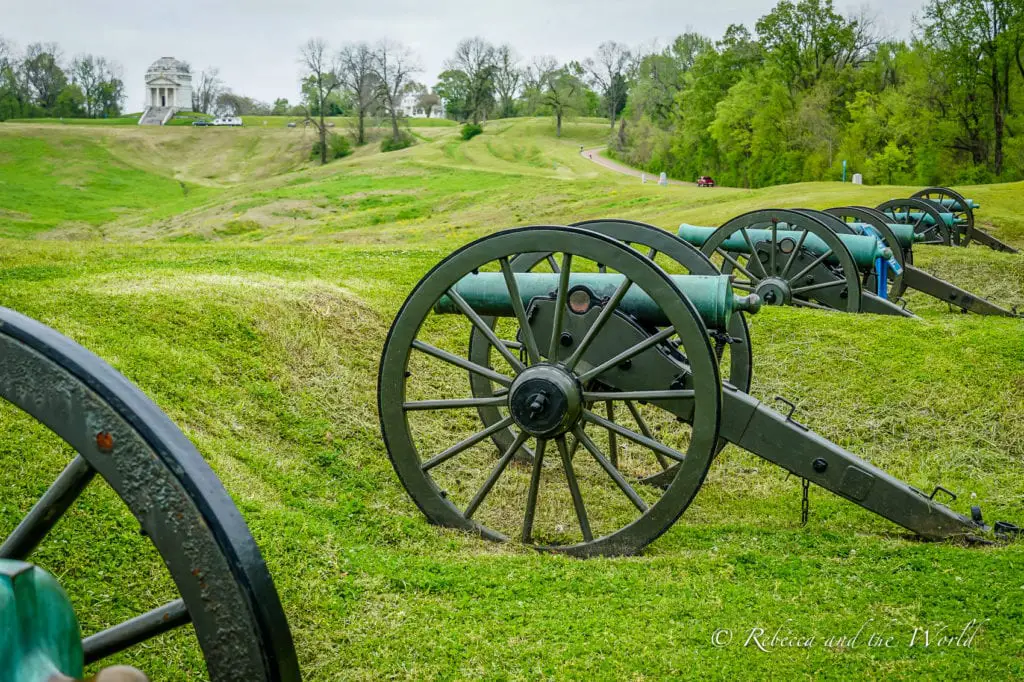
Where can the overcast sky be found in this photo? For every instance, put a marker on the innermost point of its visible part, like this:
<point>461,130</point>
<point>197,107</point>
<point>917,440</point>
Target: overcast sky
<point>255,42</point>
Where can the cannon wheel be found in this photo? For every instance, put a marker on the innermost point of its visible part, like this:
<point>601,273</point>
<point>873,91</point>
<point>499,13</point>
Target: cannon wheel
<point>655,241</point>
<point>964,213</point>
<point>226,590</point>
<point>760,281</point>
<point>939,233</point>
<point>877,220</point>
<point>419,472</point>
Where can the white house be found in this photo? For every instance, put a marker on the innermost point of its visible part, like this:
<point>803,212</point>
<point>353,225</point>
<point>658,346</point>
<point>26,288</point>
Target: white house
<point>411,108</point>
<point>168,89</point>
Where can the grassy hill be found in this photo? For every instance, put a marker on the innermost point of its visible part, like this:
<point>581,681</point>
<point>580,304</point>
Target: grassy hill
<point>249,292</point>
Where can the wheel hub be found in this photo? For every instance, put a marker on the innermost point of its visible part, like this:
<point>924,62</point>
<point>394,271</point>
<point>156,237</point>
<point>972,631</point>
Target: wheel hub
<point>545,401</point>
<point>774,291</point>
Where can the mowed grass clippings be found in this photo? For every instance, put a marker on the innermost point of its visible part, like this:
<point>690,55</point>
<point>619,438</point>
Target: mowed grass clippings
<point>253,309</point>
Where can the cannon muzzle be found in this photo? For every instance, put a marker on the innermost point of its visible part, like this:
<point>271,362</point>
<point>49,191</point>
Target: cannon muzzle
<point>712,296</point>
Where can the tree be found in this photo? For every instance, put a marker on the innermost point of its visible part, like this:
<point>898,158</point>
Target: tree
<point>806,38</point>
<point>393,67</point>
<point>14,95</point>
<point>320,80</point>
<point>561,89</point>
<point>280,108</point>
<point>453,87</point>
<point>477,59</point>
<point>982,40</point>
<point>99,82</point>
<point>661,76</point>
<point>207,90</point>
<point>508,78</point>
<point>357,76</point>
<point>607,73</point>
<point>70,102</point>
<point>230,104</point>
<point>427,101</point>
<point>42,71</point>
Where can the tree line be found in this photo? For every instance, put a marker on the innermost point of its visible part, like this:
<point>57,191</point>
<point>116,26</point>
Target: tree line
<point>38,82</point>
<point>805,94</point>
<point>809,89</point>
<point>792,99</point>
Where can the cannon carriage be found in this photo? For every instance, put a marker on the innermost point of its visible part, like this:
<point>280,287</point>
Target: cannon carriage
<point>943,217</point>
<point>598,418</point>
<point>853,259</point>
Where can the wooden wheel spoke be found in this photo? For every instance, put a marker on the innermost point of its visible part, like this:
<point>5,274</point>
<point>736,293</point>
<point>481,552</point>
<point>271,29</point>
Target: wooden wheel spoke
<point>602,318</point>
<point>613,445</point>
<point>753,252</point>
<point>465,364</point>
<point>50,508</point>
<point>532,350</point>
<point>531,495</point>
<point>635,437</point>
<point>646,431</point>
<point>793,255</point>
<point>669,394</point>
<point>466,444</point>
<point>454,403</point>
<point>485,329</point>
<point>630,352</point>
<point>800,303</point>
<point>625,487</point>
<point>818,287</point>
<point>135,631</point>
<point>736,264</point>
<point>574,490</point>
<point>499,468</point>
<point>813,264</point>
<point>560,301</point>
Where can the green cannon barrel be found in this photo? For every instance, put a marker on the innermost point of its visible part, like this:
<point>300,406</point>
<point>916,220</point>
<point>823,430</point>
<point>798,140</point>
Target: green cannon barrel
<point>923,218</point>
<point>863,249</point>
<point>713,296</point>
<point>955,205</point>
<point>39,635</point>
<point>905,234</point>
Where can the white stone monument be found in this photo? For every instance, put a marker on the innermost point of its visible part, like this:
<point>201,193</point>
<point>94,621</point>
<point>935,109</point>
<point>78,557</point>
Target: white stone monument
<point>663,179</point>
<point>858,179</point>
<point>168,89</point>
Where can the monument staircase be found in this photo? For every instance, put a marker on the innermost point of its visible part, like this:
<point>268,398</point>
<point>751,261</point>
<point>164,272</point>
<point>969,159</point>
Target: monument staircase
<point>156,116</point>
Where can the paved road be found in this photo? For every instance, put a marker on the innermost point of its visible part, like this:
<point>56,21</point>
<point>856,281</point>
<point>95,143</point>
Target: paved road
<point>595,156</point>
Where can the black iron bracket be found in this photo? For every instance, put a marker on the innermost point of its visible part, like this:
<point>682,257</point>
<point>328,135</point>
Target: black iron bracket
<point>938,488</point>
<point>789,415</point>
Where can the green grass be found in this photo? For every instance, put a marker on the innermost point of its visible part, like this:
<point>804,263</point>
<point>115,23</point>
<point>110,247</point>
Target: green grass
<point>124,120</point>
<point>253,310</point>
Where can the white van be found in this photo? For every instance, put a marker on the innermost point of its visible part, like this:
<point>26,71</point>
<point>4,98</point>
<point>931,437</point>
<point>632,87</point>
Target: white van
<point>227,121</point>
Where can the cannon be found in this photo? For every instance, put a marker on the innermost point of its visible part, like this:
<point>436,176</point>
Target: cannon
<point>122,438</point>
<point>850,259</point>
<point>504,437</point>
<point>945,216</point>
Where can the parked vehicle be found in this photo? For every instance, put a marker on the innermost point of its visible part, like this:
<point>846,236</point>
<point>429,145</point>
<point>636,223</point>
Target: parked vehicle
<point>227,121</point>
<point>201,122</point>
<point>705,181</point>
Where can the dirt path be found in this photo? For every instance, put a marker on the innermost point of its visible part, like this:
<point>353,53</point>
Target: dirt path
<point>595,156</point>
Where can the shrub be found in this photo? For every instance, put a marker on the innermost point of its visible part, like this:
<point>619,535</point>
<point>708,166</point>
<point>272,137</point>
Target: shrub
<point>390,144</point>
<point>337,147</point>
<point>471,130</point>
